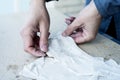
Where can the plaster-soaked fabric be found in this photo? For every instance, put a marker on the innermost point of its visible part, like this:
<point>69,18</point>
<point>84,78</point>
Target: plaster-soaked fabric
<point>70,63</point>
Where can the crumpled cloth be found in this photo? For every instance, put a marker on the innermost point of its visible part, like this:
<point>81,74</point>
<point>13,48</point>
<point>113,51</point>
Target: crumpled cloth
<point>67,61</point>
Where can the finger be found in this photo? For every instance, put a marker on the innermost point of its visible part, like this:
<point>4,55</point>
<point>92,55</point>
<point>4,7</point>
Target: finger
<point>72,18</point>
<point>69,20</point>
<point>29,46</point>
<point>72,27</point>
<point>44,34</point>
<point>35,52</point>
<point>69,30</point>
<point>82,37</point>
<point>78,37</point>
<point>77,34</point>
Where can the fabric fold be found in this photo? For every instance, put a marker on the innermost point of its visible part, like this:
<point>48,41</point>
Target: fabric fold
<point>67,61</point>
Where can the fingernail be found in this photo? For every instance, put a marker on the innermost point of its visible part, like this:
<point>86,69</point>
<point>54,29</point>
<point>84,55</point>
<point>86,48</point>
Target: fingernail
<point>43,54</point>
<point>64,34</point>
<point>44,48</point>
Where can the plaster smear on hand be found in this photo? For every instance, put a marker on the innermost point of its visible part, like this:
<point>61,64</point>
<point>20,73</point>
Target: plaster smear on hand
<point>70,63</point>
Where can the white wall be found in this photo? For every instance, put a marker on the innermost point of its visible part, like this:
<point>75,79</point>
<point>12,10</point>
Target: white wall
<point>13,6</point>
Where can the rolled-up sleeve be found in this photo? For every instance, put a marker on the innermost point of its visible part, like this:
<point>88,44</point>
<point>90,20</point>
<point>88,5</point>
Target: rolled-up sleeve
<point>108,7</point>
<point>51,0</point>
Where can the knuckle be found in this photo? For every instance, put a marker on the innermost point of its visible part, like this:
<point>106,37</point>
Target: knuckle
<point>69,30</point>
<point>25,32</point>
<point>44,42</point>
<point>92,37</point>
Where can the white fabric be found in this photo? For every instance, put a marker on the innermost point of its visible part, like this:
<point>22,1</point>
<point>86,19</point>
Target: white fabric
<point>70,63</point>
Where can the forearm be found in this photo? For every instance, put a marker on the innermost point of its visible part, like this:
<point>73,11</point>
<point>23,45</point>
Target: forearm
<point>108,7</point>
<point>37,8</point>
<point>37,4</point>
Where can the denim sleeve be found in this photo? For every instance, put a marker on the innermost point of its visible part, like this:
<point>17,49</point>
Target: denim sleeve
<point>108,7</point>
<point>51,0</point>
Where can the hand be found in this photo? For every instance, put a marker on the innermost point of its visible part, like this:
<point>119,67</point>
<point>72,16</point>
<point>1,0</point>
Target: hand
<point>38,21</point>
<point>85,27</point>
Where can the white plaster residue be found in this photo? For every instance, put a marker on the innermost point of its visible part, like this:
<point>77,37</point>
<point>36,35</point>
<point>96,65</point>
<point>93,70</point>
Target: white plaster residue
<point>70,63</point>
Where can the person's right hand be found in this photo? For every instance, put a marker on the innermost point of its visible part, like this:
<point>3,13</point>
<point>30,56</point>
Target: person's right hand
<point>85,26</point>
<point>38,21</point>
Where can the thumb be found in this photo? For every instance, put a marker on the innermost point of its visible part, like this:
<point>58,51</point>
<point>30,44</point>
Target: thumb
<point>44,34</point>
<point>72,27</point>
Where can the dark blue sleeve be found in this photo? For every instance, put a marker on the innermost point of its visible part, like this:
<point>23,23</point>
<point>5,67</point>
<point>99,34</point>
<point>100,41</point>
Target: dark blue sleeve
<point>108,7</point>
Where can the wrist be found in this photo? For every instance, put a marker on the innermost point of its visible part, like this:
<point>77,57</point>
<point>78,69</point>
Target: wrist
<point>37,7</point>
<point>36,4</point>
<point>38,1</point>
<point>94,8</point>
